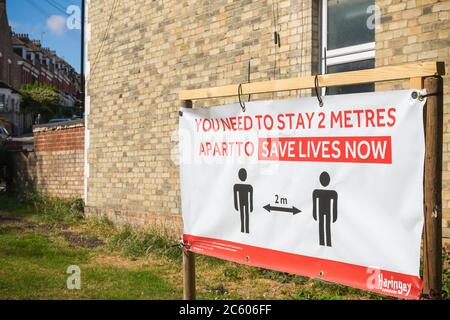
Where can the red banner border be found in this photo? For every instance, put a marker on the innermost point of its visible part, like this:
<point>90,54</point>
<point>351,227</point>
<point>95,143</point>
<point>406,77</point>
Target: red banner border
<point>338,272</point>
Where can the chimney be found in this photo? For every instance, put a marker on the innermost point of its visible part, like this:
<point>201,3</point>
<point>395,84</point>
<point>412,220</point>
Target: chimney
<point>2,7</point>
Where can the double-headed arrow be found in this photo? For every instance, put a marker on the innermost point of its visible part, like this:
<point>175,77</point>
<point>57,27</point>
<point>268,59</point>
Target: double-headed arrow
<point>292,210</point>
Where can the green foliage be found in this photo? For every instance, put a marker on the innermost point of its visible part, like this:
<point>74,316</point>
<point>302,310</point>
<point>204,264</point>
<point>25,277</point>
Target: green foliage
<point>102,227</point>
<point>14,206</point>
<point>43,99</point>
<point>280,277</point>
<point>30,260</point>
<point>446,275</point>
<point>40,93</point>
<point>39,98</point>
<point>125,284</point>
<point>34,266</point>
<point>211,260</point>
<point>136,243</point>
<point>54,210</point>
<point>233,272</point>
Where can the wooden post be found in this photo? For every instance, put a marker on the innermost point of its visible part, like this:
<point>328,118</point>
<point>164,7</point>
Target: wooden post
<point>188,256</point>
<point>189,275</point>
<point>432,238</point>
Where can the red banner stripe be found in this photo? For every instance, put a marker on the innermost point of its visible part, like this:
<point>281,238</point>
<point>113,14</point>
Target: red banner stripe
<point>375,280</point>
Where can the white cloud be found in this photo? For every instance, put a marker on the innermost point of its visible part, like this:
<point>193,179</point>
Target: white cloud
<point>14,24</point>
<point>57,25</point>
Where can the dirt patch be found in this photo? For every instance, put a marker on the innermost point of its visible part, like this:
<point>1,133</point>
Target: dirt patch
<point>10,220</point>
<point>17,223</point>
<point>77,239</point>
<point>81,239</point>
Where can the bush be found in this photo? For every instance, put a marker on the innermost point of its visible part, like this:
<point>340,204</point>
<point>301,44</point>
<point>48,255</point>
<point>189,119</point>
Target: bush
<point>135,243</point>
<point>3,162</point>
<point>54,210</point>
<point>446,275</point>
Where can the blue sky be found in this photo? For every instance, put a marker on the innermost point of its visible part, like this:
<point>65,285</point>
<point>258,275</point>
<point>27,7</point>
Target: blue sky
<point>46,20</point>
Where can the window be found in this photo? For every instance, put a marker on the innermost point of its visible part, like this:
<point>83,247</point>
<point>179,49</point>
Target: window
<point>17,105</point>
<point>11,104</point>
<point>18,51</point>
<point>2,102</point>
<point>9,72</point>
<point>348,40</point>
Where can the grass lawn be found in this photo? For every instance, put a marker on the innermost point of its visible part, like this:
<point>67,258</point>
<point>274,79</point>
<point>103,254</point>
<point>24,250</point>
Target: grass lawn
<point>34,261</point>
<point>35,255</point>
<point>40,239</point>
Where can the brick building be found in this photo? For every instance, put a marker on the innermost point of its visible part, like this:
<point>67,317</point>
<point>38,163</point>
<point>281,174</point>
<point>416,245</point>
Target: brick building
<point>9,74</point>
<point>42,65</point>
<point>25,61</point>
<point>141,54</point>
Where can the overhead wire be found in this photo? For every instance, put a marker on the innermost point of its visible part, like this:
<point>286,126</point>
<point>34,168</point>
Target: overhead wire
<point>43,12</point>
<point>105,36</point>
<point>277,38</point>
<point>60,8</point>
<point>56,6</point>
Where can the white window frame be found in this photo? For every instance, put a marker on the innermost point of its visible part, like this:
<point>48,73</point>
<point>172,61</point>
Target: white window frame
<point>10,104</point>
<point>3,102</point>
<point>17,104</point>
<point>358,52</point>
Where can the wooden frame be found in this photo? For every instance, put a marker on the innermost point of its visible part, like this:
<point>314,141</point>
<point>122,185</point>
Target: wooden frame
<point>407,71</point>
<point>421,75</point>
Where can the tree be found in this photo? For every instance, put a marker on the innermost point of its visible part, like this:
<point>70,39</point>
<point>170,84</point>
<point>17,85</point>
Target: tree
<point>39,98</point>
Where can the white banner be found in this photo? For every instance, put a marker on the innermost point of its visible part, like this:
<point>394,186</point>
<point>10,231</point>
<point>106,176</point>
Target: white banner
<point>333,192</point>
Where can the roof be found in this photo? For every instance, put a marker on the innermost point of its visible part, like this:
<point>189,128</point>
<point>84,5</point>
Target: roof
<point>16,41</point>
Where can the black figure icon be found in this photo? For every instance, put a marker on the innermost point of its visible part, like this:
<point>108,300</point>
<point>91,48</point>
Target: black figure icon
<point>243,200</point>
<point>322,208</point>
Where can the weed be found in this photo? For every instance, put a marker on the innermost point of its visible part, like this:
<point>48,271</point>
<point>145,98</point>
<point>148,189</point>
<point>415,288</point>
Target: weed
<point>30,254</point>
<point>102,227</point>
<point>233,272</point>
<point>54,210</point>
<point>446,275</point>
<point>136,243</point>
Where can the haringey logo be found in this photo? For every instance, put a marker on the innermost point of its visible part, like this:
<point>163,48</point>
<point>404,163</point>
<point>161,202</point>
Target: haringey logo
<point>378,281</point>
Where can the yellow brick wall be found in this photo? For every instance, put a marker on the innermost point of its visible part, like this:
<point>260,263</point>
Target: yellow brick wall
<point>153,50</point>
<point>418,30</point>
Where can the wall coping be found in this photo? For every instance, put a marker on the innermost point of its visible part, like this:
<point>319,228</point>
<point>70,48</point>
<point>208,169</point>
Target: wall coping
<point>14,145</point>
<point>58,126</point>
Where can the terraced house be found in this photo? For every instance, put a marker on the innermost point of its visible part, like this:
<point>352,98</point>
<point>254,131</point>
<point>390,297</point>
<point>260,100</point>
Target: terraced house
<point>142,53</point>
<point>9,75</point>
<point>43,65</point>
<point>26,61</point>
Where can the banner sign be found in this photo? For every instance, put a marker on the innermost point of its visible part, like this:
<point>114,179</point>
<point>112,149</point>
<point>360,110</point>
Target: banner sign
<point>334,193</point>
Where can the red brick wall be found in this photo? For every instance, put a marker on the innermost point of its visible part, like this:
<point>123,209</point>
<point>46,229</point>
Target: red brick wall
<point>60,140</point>
<point>60,159</point>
